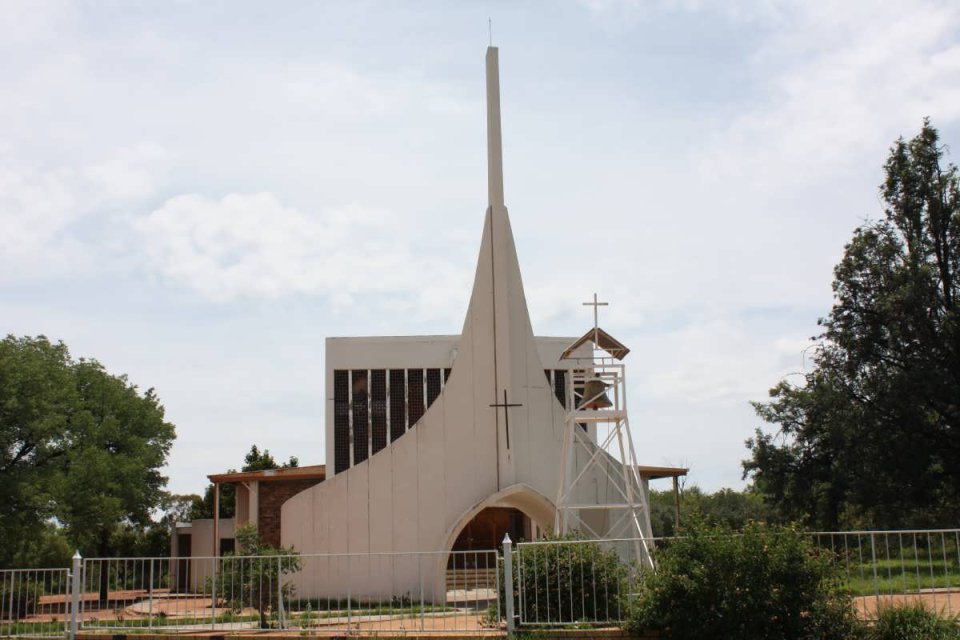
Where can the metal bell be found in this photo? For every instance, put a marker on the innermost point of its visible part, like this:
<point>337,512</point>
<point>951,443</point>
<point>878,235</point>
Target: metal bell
<point>594,395</point>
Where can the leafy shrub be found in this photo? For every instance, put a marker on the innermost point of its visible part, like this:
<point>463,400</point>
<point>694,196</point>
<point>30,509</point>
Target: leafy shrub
<point>912,622</point>
<point>244,581</point>
<point>569,581</point>
<point>768,583</point>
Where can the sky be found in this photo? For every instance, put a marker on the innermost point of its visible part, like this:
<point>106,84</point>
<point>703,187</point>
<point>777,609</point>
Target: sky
<point>198,194</point>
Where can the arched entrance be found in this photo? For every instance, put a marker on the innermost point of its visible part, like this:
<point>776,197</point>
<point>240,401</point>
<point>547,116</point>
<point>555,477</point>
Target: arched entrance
<point>485,533</point>
<point>471,567</point>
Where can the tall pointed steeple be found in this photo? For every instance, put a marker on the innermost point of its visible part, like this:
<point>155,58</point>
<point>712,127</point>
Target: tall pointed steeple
<point>497,344</point>
<point>494,137</point>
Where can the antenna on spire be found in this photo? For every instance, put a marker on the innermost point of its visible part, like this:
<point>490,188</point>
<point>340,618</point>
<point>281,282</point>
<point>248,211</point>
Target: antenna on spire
<point>490,29</point>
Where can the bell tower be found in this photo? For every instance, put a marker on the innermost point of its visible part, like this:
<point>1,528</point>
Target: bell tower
<point>600,490</point>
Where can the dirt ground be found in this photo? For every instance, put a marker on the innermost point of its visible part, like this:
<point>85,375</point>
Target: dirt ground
<point>132,605</point>
<point>938,600</point>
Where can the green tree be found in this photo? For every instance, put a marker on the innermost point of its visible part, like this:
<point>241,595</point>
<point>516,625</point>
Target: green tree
<point>254,460</point>
<point>252,576</point>
<point>257,460</point>
<point>37,396</point>
<point>727,507</point>
<point>180,508</point>
<point>77,445</point>
<point>872,435</point>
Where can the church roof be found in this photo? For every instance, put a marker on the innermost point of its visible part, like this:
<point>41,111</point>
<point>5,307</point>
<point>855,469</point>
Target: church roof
<point>654,473</point>
<point>602,340</point>
<point>311,472</point>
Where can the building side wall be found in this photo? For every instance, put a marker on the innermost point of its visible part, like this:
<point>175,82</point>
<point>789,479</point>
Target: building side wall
<point>200,566</point>
<point>271,497</point>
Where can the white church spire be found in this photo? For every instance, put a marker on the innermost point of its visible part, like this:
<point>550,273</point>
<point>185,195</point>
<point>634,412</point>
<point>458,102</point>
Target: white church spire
<point>494,138</point>
<point>498,352</point>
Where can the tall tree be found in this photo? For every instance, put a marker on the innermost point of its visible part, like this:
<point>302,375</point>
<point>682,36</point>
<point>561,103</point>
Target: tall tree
<point>37,395</point>
<point>257,460</point>
<point>76,444</point>
<point>872,436</point>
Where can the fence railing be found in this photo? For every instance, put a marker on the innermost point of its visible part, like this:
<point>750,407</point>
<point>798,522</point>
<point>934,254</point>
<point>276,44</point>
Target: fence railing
<point>545,583</point>
<point>375,593</point>
<point>582,582</point>
<point>34,602</point>
<point>573,582</point>
<point>885,567</point>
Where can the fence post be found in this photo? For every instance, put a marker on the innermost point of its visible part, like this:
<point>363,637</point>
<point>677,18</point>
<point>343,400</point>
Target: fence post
<point>213,592</point>
<point>150,612</point>
<point>349,595</point>
<point>280,615</point>
<point>74,594</point>
<point>508,582</point>
<point>873,557</point>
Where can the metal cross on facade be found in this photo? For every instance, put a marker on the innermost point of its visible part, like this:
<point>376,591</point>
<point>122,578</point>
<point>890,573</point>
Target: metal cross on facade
<point>596,309</point>
<point>506,413</point>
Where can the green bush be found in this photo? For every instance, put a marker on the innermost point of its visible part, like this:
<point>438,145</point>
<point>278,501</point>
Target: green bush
<point>569,581</point>
<point>252,577</point>
<point>912,622</point>
<point>768,583</point>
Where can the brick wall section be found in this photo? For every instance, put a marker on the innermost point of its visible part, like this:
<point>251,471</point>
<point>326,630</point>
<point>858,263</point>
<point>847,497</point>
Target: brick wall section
<point>272,496</point>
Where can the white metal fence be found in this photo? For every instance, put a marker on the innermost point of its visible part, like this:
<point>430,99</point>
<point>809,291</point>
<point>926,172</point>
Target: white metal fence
<point>34,602</point>
<point>547,583</point>
<point>323,594</point>
<point>573,582</point>
<point>581,582</point>
<point>886,567</point>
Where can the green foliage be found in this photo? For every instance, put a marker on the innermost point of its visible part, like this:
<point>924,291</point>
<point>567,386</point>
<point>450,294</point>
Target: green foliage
<point>257,460</point>
<point>912,622</point>
<point>48,548</point>
<point>20,595</point>
<point>733,509</point>
<point>871,438</point>
<point>767,583</point>
<point>181,508</point>
<point>254,460</point>
<point>244,581</point>
<point>568,581</point>
<point>77,445</point>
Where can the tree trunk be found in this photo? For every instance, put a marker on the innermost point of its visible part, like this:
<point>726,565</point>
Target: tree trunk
<point>104,549</point>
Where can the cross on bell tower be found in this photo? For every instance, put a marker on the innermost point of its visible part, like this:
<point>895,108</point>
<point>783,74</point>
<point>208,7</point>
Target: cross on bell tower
<point>596,304</point>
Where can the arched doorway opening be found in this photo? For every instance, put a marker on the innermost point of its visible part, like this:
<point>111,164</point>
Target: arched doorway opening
<point>470,571</point>
<point>471,579</point>
<point>485,532</point>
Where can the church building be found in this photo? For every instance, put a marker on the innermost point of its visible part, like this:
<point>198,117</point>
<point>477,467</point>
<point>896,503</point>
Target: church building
<point>448,442</point>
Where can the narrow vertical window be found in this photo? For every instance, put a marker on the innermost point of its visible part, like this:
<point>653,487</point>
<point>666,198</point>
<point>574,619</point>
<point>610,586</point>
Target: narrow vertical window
<point>415,394</point>
<point>361,433</point>
<point>398,403</point>
<point>341,420</point>
<point>378,409</point>
<point>433,385</point>
<point>560,386</point>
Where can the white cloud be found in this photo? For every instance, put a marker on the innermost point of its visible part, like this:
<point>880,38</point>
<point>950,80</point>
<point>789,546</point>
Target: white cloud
<point>254,246</point>
<point>716,359</point>
<point>836,76</point>
<point>41,208</point>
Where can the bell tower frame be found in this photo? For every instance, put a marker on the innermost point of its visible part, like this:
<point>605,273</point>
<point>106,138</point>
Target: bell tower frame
<point>600,490</point>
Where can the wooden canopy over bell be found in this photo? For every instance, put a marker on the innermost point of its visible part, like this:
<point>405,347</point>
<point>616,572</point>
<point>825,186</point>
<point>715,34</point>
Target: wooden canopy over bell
<point>602,340</point>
